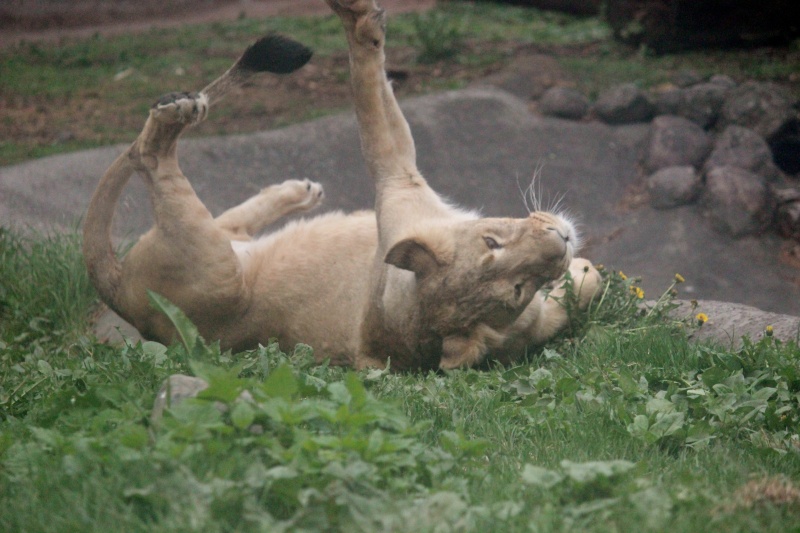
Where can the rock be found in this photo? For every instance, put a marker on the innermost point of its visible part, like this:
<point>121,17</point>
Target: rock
<point>175,389</point>
<point>737,201</point>
<point>624,104</point>
<point>667,102</point>
<point>564,102</point>
<point>787,220</point>
<point>765,108</point>
<point>179,387</point>
<point>673,186</point>
<point>699,103</point>
<point>686,78</point>
<point>724,80</point>
<point>787,214</point>
<point>744,148</point>
<point>728,323</point>
<point>676,141</point>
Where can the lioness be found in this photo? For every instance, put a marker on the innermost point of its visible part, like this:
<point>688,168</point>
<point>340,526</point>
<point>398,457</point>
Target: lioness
<point>418,281</point>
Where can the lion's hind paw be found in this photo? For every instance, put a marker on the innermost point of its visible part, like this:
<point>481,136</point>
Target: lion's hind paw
<point>181,108</point>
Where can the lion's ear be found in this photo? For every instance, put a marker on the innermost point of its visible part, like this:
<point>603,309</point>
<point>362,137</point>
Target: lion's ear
<point>416,255</point>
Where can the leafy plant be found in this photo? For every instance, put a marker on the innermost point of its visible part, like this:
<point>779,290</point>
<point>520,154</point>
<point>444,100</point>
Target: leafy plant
<point>620,425</point>
<point>439,34</point>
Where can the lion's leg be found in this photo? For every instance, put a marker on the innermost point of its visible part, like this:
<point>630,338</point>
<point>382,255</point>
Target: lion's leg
<point>271,204</point>
<point>546,316</point>
<point>403,197</point>
<point>186,257</point>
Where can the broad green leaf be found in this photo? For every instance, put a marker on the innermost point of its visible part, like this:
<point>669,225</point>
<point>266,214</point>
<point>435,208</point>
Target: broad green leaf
<point>358,394</point>
<point>242,414</point>
<point>280,383</point>
<point>187,331</point>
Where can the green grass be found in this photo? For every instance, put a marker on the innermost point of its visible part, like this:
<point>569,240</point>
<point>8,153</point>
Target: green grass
<point>619,425</point>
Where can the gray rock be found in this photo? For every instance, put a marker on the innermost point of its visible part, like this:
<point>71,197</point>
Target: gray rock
<point>728,323</point>
<point>699,103</point>
<point>624,104</point>
<point>667,102</point>
<point>787,214</point>
<point>763,107</point>
<point>676,141</point>
<point>673,186</point>
<point>686,78</point>
<point>702,103</point>
<point>179,387</point>
<point>744,148</point>
<point>564,102</point>
<point>175,389</point>
<point>737,201</point>
<point>724,80</point>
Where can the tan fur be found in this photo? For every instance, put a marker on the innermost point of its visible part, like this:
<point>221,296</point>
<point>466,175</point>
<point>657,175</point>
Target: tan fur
<point>417,281</point>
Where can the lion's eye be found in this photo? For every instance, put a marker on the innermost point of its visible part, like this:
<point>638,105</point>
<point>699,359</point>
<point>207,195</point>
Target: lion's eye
<point>491,243</point>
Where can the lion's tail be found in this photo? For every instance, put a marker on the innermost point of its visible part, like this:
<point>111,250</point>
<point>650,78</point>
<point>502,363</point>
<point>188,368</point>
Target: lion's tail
<point>273,53</point>
<point>105,270</point>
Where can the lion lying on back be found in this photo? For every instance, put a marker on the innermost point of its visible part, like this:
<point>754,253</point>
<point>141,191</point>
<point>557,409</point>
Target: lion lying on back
<point>417,280</point>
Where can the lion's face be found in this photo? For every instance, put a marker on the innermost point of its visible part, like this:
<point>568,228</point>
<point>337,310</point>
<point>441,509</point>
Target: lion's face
<point>483,271</point>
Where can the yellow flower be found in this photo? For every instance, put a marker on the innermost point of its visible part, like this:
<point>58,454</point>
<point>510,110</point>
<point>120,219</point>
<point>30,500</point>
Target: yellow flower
<point>702,318</point>
<point>600,267</point>
<point>637,291</point>
<point>768,331</point>
<point>679,278</point>
<point>622,275</point>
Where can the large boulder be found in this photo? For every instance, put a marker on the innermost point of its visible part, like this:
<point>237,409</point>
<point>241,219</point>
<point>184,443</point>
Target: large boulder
<point>564,102</point>
<point>737,201</point>
<point>765,108</point>
<point>787,214</point>
<point>741,147</point>
<point>676,141</point>
<point>624,104</point>
<point>700,103</point>
<point>673,186</point>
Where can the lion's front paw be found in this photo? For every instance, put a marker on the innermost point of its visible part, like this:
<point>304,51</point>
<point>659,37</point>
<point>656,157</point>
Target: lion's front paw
<point>300,195</point>
<point>181,108</point>
<point>586,280</point>
<point>363,18</point>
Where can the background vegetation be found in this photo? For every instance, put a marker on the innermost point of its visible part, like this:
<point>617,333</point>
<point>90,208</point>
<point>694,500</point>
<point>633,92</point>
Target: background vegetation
<point>80,93</point>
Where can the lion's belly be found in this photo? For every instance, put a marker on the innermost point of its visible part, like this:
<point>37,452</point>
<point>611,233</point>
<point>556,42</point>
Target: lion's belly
<point>310,283</point>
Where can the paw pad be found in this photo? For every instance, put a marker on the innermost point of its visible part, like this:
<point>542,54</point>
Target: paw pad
<point>181,108</point>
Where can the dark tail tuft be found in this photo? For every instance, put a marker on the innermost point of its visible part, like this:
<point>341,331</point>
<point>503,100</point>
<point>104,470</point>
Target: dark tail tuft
<point>274,53</point>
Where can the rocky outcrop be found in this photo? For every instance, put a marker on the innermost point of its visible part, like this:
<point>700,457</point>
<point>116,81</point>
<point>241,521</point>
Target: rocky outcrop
<point>737,147</point>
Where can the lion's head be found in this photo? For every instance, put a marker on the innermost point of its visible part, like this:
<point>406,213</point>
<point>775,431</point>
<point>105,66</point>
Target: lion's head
<point>483,271</point>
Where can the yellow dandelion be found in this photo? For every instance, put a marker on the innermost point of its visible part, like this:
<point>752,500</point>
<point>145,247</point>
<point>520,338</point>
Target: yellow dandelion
<point>679,278</point>
<point>702,318</point>
<point>622,275</point>
<point>600,267</point>
<point>768,331</point>
<point>637,291</point>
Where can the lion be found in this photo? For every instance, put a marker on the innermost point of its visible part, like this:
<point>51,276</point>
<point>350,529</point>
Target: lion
<point>418,283</point>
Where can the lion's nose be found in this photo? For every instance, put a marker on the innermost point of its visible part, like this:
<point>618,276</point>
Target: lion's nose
<point>564,238</point>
